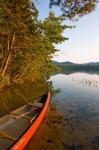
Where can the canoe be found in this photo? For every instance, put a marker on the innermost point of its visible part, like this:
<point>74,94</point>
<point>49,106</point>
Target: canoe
<point>17,128</point>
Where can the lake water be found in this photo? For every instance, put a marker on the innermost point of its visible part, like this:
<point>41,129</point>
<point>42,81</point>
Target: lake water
<point>76,100</point>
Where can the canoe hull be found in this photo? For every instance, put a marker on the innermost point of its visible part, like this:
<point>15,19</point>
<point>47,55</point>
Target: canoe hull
<point>27,136</point>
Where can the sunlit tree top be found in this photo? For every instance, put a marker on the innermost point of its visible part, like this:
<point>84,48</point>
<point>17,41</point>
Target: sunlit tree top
<point>74,8</point>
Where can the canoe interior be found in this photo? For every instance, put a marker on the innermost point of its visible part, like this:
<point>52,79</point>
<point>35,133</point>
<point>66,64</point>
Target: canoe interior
<point>16,125</point>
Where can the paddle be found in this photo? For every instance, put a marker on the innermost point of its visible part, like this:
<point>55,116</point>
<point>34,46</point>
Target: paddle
<point>19,116</point>
<point>30,121</point>
<point>5,135</point>
<point>22,115</point>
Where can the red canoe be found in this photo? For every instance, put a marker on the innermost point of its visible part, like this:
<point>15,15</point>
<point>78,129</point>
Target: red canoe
<point>18,127</point>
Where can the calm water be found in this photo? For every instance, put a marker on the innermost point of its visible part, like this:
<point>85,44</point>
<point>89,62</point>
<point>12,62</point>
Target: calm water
<point>77,101</point>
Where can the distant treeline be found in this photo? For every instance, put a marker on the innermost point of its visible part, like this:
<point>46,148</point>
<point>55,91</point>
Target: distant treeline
<point>79,67</point>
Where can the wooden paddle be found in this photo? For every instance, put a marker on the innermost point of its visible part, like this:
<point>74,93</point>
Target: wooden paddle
<point>7,136</point>
<point>33,118</point>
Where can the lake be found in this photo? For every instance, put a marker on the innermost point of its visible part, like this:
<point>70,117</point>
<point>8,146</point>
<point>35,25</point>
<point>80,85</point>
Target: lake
<point>73,120</point>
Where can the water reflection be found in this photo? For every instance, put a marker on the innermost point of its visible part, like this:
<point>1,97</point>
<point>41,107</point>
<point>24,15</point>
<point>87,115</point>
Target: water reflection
<point>78,101</point>
<point>74,122</point>
<point>18,95</point>
<point>49,136</point>
<point>78,126</point>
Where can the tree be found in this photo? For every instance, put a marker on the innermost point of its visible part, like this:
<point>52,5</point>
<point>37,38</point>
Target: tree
<point>27,44</point>
<point>74,8</point>
<point>50,33</point>
<point>53,28</point>
<point>18,21</point>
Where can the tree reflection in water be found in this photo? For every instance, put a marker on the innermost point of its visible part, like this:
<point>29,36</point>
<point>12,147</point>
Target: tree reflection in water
<point>18,95</point>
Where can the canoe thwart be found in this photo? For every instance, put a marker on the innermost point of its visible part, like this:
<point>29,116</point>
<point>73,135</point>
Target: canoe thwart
<point>37,104</point>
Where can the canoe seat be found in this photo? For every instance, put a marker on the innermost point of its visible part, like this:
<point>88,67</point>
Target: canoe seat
<point>37,104</point>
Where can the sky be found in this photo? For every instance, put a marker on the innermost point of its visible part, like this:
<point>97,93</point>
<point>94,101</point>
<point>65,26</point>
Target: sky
<point>83,43</point>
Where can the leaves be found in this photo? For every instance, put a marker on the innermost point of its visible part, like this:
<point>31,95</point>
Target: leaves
<point>74,8</point>
<point>53,28</point>
<point>34,38</point>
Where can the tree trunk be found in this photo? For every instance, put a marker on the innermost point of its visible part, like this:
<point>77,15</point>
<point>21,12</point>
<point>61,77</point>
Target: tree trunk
<point>6,64</point>
<point>22,73</point>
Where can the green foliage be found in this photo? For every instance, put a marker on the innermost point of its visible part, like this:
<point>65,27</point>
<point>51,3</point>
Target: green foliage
<point>53,28</point>
<point>19,17</point>
<point>71,68</point>
<point>73,8</point>
<point>5,81</point>
<point>27,44</point>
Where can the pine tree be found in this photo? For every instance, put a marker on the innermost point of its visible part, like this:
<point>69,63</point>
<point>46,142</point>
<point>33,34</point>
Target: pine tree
<point>74,8</point>
<point>51,33</point>
<point>18,21</point>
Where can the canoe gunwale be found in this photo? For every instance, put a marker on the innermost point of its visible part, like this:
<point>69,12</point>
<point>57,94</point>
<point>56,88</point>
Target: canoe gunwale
<point>21,142</point>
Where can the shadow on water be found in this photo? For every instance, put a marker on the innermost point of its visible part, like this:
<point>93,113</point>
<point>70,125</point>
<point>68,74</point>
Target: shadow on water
<point>18,95</point>
<point>61,132</point>
<point>49,135</point>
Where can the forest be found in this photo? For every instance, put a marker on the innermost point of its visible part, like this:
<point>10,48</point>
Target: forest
<point>27,44</point>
